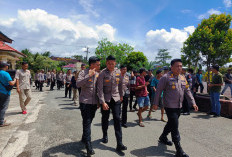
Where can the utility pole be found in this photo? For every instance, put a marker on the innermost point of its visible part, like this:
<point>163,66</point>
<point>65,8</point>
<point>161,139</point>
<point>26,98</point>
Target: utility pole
<point>87,52</point>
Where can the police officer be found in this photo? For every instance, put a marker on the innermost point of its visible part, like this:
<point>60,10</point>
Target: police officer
<point>110,93</point>
<point>174,87</point>
<point>88,99</point>
<point>41,80</point>
<point>126,93</point>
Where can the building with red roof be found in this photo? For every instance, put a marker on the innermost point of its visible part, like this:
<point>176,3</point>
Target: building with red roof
<point>10,55</point>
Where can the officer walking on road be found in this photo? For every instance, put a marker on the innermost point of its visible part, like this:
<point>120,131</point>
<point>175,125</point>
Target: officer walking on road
<point>126,93</point>
<point>88,99</point>
<point>174,87</point>
<point>110,93</point>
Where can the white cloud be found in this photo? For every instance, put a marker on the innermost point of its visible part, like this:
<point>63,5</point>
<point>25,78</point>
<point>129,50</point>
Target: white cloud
<point>227,3</point>
<point>163,39</point>
<point>209,12</point>
<point>36,29</point>
<point>89,7</point>
<point>186,11</point>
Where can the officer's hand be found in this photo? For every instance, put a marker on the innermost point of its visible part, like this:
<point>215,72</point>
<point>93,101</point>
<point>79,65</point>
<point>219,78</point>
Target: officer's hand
<point>18,90</point>
<point>195,107</point>
<point>147,83</point>
<point>121,99</point>
<point>155,107</point>
<point>92,72</point>
<point>105,106</point>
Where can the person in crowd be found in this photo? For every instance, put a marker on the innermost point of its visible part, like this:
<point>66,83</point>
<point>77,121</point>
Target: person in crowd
<point>63,79</point>
<point>110,94</point>
<point>126,93</point>
<point>89,101</point>
<point>214,89</point>
<point>199,81</point>
<point>23,86</point>
<point>166,69</point>
<point>148,79</point>
<point>41,80</point>
<point>185,105</point>
<point>48,76</point>
<point>36,80</point>
<point>132,90</point>
<point>53,79</point>
<point>154,84</point>
<point>174,87</point>
<point>59,80</point>
<point>228,82</point>
<point>74,87</point>
<point>142,94</point>
<point>5,81</point>
<point>68,85</point>
<point>83,67</point>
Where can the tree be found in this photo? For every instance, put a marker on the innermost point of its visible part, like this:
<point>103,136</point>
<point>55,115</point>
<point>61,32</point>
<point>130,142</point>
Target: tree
<point>46,54</point>
<point>135,60</point>
<point>212,39</point>
<point>78,57</point>
<point>163,57</point>
<point>119,51</point>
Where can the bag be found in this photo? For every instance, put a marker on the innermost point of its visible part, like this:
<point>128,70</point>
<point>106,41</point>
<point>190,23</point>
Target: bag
<point>8,87</point>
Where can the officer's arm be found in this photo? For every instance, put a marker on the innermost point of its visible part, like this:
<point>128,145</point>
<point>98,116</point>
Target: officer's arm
<point>159,89</point>
<point>189,96</point>
<point>82,79</point>
<point>100,93</point>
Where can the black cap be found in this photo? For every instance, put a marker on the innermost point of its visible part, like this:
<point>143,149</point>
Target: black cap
<point>3,64</point>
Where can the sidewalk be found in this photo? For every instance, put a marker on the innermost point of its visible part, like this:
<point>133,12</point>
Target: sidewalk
<point>16,118</point>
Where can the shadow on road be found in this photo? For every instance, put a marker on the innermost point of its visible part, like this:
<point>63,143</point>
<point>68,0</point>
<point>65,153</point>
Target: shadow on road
<point>12,113</point>
<point>73,148</point>
<point>160,150</point>
<point>202,116</point>
<point>70,108</point>
<point>66,104</point>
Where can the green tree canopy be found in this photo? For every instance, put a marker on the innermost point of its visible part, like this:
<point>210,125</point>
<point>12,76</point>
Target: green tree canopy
<point>135,60</point>
<point>119,51</point>
<point>212,39</point>
<point>162,57</point>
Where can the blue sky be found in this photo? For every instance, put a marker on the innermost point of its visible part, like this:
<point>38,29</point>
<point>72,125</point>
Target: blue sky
<point>146,24</point>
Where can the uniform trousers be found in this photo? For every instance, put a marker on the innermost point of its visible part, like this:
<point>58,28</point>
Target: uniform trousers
<point>48,82</point>
<point>116,111</point>
<point>22,94</point>
<point>41,85</point>
<point>172,125</point>
<point>75,95</point>
<point>68,90</point>
<point>185,106</point>
<point>37,84</point>
<point>124,109</point>
<point>88,113</point>
<point>52,84</point>
<point>59,84</point>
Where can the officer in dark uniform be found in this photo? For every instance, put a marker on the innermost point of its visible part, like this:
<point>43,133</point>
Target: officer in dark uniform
<point>88,99</point>
<point>110,94</point>
<point>174,87</point>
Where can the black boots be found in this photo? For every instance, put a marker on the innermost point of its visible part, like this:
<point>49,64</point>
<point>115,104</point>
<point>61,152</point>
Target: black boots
<point>105,139</point>
<point>164,140</point>
<point>179,150</point>
<point>121,147</point>
<point>89,149</point>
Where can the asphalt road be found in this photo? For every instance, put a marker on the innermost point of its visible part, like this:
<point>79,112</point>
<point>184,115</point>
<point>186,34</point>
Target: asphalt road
<point>56,131</point>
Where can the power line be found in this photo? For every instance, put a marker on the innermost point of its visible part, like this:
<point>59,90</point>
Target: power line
<point>48,42</point>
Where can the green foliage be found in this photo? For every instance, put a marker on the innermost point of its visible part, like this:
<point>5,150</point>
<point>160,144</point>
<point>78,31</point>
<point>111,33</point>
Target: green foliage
<point>39,61</point>
<point>135,60</point>
<point>119,51</point>
<point>212,40</point>
<point>163,57</point>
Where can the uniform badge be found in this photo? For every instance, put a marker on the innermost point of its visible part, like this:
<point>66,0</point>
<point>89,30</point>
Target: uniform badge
<point>173,85</point>
<point>90,80</point>
<point>97,76</point>
<point>117,74</point>
<point>117,79</point>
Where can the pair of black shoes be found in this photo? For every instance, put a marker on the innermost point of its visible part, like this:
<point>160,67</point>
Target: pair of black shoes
<point>119,148</point>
